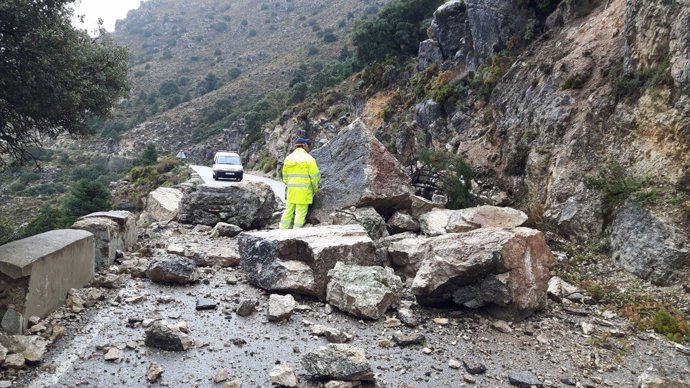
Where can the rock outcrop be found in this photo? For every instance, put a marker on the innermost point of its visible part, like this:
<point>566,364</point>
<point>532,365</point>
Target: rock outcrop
<point>648,246</point>
<point>505,270</point>
<point>472,31</point>
<point>298,260</point>
<point>249,205</point>
<point>357,170</point>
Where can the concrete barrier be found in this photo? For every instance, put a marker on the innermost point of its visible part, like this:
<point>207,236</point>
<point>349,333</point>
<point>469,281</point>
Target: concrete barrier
<point>37,272</point>
<point>114,230</point>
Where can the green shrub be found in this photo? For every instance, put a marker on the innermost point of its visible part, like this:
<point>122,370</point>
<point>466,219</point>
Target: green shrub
<point>40,154</point>
<point>234,72</point>
<point>674,325</point>
<point>168,87</point>
<point>440,171</point>
<point>7,233</point>
<point>488,75</point>
<point>394,31</point>
<point>95,172</point>
<point>148,157</point>
<point>219,27</point>
<point>529,135</point>
<point>298,92</point>
<point>615,183</point>
<point>85,197</point>
<point>629,87</point>
<point>174,101</point>
<point>575,81</point>
<point>329,37</point>
<point>47,219</point>
<point>208,84</point>
<point>42,189</point>
<point>29,177</point>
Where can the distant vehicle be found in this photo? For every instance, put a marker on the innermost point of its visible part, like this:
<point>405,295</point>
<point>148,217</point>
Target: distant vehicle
<point>227,165</point>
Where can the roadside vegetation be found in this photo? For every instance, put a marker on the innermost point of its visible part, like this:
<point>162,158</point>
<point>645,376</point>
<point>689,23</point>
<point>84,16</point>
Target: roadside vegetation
<point>84,187</point>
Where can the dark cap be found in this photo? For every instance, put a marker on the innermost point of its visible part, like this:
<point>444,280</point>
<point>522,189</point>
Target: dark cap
<point>301,140</point>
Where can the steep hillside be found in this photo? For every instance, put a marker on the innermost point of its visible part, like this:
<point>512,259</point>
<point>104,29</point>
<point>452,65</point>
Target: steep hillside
<point>577,115</point>
<point>196,67</point>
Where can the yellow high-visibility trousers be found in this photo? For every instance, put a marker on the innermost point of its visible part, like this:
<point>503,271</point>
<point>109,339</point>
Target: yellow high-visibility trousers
<point>296,210</point>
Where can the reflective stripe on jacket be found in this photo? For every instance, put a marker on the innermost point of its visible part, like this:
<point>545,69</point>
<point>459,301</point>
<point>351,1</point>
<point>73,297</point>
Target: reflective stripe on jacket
<point>301,175</point>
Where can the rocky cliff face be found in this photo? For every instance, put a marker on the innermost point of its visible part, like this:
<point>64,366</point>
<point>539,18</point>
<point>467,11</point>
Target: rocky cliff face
<point>606,82</point>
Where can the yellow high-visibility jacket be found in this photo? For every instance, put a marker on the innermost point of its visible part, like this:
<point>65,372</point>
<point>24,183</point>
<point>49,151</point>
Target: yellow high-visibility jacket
<point>301,175</point>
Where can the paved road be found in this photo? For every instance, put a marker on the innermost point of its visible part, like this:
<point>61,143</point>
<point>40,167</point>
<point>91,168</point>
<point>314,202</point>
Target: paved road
<point>207,175</point>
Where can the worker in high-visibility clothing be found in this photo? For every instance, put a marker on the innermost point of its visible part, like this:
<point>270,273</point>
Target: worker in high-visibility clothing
<point>301,176</point>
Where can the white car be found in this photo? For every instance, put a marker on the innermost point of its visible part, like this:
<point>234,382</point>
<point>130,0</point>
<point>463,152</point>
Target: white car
<point>227,165</point>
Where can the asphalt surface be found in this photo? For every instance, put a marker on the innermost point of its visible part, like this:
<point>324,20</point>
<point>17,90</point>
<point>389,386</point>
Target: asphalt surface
<point>550,344</point>
<point>207,175</point>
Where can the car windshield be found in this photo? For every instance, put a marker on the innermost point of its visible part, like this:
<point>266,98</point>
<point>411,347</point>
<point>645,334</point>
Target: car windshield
<point>228,160</point>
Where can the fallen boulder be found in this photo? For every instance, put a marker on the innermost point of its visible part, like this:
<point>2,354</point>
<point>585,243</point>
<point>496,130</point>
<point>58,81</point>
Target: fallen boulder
<point>223,256</point>
<point>26,349</point>
<point>249,205</point>
<point>283,375</point>
<point>365,216</point>
<point>332,334</point>
<point>401,222</point>
<point>298,260</point>
<point>162,205</point>
<point>504,270</point>
<point>280,307</point>
<point>173,269</point>
<point>339,362</point>
<point>366,292</point>
<point>163,335</point>
<point>441,221</point>
<point>357,170</point>
<point>223,229</point>
<point>406,252</point>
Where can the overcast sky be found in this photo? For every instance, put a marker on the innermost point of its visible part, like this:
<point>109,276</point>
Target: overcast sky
<point>108,10</point>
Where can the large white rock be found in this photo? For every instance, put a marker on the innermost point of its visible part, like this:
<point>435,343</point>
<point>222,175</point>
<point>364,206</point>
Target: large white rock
<point>505,270</point>
<point>298,260</point>
<point>163,204</point>
<point>440,221</point>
